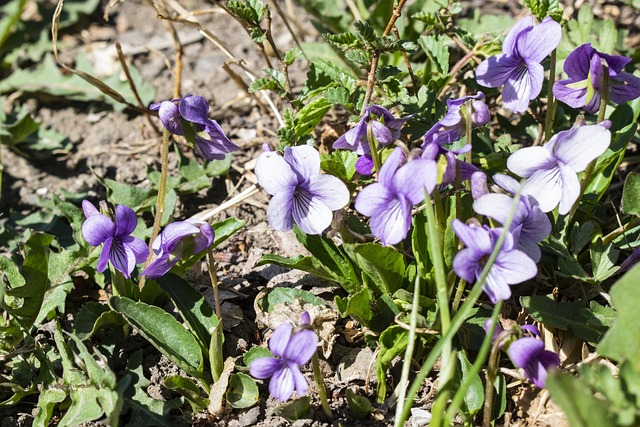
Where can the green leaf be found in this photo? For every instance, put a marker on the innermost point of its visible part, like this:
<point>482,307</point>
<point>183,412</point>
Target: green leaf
<point>393,342</point>
<point>360,406</point>
<point>225,229</point>
<point>216,357</point>
<point>356,305</point>
<point>289,296</point>
<point>188,389</point>
<point>436,48</point>
<point>337,96</point>
<point>242,392</point>
<point>340,163</point>
<point>474,398</point>
<point>631,194</point>
<point>192,306</point>
<point>500,397</point>
<point>310,116</point>
<point>255,353</point>
<point>47,401</point>
<point>622,341</point>
<point>603,260</point>
<point>136,198</point>
<point>582,408</point>
<point>291,55</point>
<point>383,264</point>
<point>302,263</point>
<point>163,331</point>
<point>565,315</point>
<point>94,316</point>
<point>295,409</point>
<point>10,16</point>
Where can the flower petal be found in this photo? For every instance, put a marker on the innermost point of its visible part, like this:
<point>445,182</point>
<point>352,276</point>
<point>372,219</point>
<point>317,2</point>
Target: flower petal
<point>89,209</point>
<point>523,85</point>
<point>625,87</point>
<point>274,173</point>
<point>537,43</point>
<point>496,286</point>
<point>391,224</point>
<point>390,166</point>
<point>499,207</point>
<point>414,178</point>
<point>382,133</point>
<point>466,264</point>
<point>170,117</point>
<point>508,183</point>
<point>304,160</point>
<point>525,351</point>
<point>309,212</point>
<point>570,189</point>
<point>372,199</point>
<point>279,212</point>
<point>579,146</point>
<point>527,161</point>
<point>515,266</point>
<point>301,347</point>
<point>509,44</point>
<point>265,367</point>
<point>126,220</point>
<point>546,187</point>
<point>300,382</point>
<point>494,71</point>
<point>282,384</point>
<point>329,190</point>
<point>194,109</point>
<point>97,228</point>
<point>103,260</point>
<point>574,97</point>
<point>365,165</point>
<point>473,237</point>
<point>280,339</point>
<point>159,267</point>
<point>577,63</point>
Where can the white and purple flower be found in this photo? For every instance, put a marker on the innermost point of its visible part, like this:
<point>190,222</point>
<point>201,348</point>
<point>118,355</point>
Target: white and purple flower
<point>552,170</point>
<point>211,143</point>
<point>177,240</point>
<point>583,88</point>
<point>518,68</point>
<point>300,192</point>
<point>512,266</point>
<point>292,348</point>
<point>389,201</point>
<point>123,250</point>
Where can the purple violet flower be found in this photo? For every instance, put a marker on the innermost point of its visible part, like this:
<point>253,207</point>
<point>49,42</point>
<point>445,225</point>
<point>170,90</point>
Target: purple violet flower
<point>529,354</point>
<point>211,143</point>
<point>177,240</point>
<point>389,201</point>
<point>291,348</point>
<point>124,250</point>
<point>300,193</point>
<point>386,129</point>
<point>630,261</point>
<point>511,267</point>
<point>518,67</point>
<point>529,225</point>
<point>451,127</point>
<point>583,88</point>
<point>552,170</point>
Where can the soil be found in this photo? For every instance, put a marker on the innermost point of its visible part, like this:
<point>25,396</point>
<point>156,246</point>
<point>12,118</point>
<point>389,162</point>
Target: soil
<point>121,145</point>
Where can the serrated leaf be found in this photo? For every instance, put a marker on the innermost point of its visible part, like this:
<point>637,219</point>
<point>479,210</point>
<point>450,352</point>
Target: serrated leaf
<point>337,96</point>
<point>344,41</point>
<point>163,331</point>
<point>291,55</point>
<point>437,50</point>
<point>340,163</point>
<point>365,31</point>
<point>310,116</point>
<point>136,198</point>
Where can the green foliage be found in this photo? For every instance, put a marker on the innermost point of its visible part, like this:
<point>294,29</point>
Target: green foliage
<point>360,406</point>
<point>544,8</point>
<point>23,135</point>
<point>242,392</point>
<point>631,195</point>
<point>295,409</point>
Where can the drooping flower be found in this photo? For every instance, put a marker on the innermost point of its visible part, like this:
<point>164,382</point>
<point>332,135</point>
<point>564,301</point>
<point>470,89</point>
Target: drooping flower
<point>552,170</point>
<point>118,246</point>
<point>177,240</point>
<point>511,266</point>
<point>583,88</point>
<point>300,193</point>
<point>518,68</point>
<point>292,348</point>
<point>211,143</point>
<point>389,201</point>
<point>386,129</point>
<point>452,126</point>
<point>528,353</point>
<point>529,225</point>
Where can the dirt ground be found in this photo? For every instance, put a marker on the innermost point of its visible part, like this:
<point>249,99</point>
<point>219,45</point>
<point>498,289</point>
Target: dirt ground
<point>120,146</point>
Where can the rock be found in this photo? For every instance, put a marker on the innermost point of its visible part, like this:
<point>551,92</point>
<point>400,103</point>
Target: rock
<point>356,365</point>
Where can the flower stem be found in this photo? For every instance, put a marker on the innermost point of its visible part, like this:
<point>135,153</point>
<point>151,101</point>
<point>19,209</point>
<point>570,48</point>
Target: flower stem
<point>322,391</point>
<point>162,190</point>
<point>604,100</point>
<point>475,369</point>
<point>459,318</point>
<point>408,354</point>
<point>551,102</point>
<point>492,371</point>
<point>213,276</point>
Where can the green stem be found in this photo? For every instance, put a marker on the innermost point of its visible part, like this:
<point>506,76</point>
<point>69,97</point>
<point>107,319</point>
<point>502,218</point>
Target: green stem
<point>213,276</point>
<point>604,100</point>
<point>162,190</point>
<point>469,129</point>
<point>462,284</point>
<point>322,391</point>
<point>492,372</point>
<point>551,102</point>
<point>477,366</point>
<point>459,318</point>
<point>373,147</point>
<point>408,354</point>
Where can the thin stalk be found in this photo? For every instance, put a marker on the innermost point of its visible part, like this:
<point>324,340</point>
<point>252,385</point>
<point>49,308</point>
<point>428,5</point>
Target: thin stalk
<point>371,79</point>
<point>492,371</point>
<point>276,52</point>
<point>477,366</point>
<point>462,284</point>
<point>373,147</point>
<point>414,80</point>
<point>459,318</point>
<point>604,100</point>
<point>408,354</point>
<point>469,130</point>
<point>322,391</point>
<point>162,190</point>
<point>551,101</point>
<point>213,276</point>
